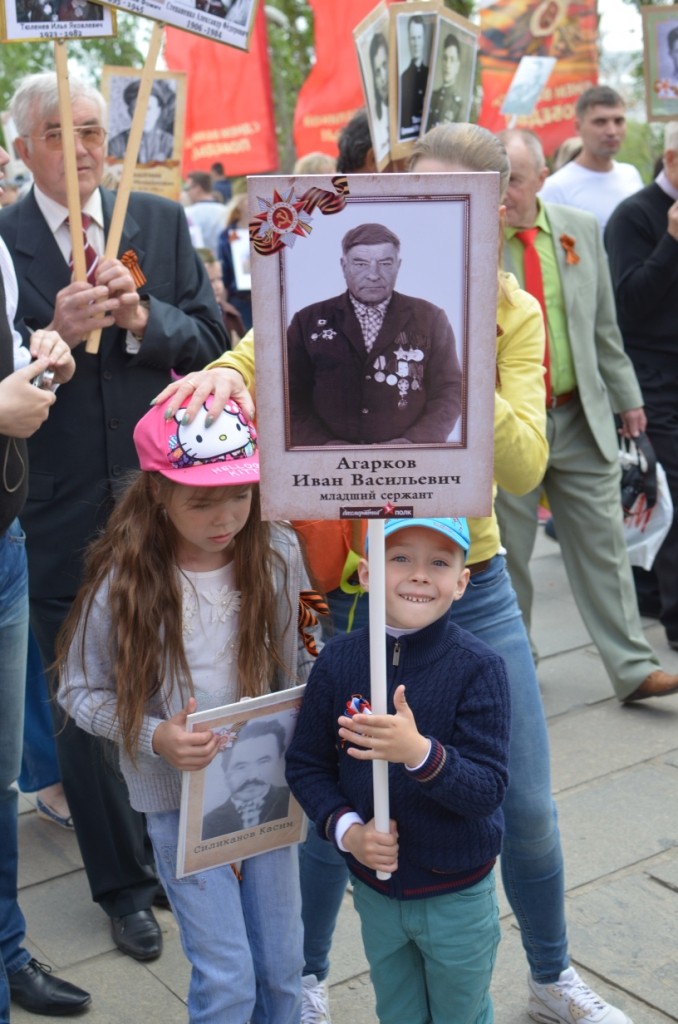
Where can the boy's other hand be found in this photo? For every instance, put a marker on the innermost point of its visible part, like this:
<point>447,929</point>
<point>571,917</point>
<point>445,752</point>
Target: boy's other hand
<point>376,850</point>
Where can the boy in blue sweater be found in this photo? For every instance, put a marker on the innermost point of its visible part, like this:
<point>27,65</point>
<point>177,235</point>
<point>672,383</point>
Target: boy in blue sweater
<point>431,931</point>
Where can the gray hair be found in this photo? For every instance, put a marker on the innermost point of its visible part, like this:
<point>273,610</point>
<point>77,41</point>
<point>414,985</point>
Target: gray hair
<point>37,98</point>
<point>671,136</point>
<point>530,141</point>
<point>468,145</point>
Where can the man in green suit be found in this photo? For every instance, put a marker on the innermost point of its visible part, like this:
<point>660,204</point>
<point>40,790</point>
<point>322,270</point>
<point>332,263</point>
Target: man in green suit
<point>590,378</point>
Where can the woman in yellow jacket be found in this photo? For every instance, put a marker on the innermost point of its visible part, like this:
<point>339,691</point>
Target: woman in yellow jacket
<point>531,861</point>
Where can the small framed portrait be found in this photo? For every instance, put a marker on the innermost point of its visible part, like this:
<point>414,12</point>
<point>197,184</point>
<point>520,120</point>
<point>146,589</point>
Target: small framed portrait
<point>372,42</point>
<point>158,167</point>
<point>25,20</point>
<point>660,44</point>
<point>527,85</point>
<point>225,21</point>
<point>413,26</point>
<point>241,805</point>
<point>374,342</point>
<point>449,93</point>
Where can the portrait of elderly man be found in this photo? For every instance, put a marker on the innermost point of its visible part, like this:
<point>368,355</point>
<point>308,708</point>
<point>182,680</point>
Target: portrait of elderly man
<point>372,366</point>
<point>156,142</point>
<point>251,767</point>
<point>446,102</point>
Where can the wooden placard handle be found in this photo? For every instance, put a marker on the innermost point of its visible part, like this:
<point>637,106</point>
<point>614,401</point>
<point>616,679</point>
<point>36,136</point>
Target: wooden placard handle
<point>70,161</point>
<point>130,161</point>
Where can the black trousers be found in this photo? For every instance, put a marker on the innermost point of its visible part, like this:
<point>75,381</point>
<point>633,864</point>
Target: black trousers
<point>660,584</point>
<point>112,837</point>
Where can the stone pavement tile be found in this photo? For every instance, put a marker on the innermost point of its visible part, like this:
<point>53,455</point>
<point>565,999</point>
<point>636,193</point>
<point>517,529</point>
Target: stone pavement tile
<point>45,850</point>
<point>625,931</point>
<point>573,679</point>
<point>616,822</point>
<point>597,741</point>
<point>64,923</point>
<point>123,992</point>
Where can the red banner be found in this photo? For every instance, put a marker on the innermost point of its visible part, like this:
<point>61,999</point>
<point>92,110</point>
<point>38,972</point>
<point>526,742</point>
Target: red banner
<point>332,92</point>
<point>229,107</point>
<point>511,29</point>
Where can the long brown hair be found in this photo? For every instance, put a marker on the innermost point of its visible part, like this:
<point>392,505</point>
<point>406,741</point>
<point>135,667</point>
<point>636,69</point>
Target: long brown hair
<point>136,553</point>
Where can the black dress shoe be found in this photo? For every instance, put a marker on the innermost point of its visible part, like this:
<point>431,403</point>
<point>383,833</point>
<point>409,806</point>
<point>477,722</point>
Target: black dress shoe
<point>34,989</point>
<point>138,935</point>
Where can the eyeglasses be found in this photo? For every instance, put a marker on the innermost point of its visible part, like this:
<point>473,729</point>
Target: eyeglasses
<point>92,136</point>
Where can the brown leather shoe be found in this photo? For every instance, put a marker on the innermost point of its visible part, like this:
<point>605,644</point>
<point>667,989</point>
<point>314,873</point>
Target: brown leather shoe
<point>657,684</point>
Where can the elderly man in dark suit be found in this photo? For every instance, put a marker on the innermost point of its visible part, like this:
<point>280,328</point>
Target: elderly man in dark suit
<point>158,314</point>
<point>395,356</point>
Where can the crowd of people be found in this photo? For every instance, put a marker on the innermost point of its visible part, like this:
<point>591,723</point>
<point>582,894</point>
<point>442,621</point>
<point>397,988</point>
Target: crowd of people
<point>159,576</point>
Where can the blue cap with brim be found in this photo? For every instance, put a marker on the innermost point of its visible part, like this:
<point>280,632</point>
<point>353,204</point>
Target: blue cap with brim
<point>454,529</point>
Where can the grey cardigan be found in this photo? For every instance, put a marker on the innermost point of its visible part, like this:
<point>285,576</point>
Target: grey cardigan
<point>87,690</point>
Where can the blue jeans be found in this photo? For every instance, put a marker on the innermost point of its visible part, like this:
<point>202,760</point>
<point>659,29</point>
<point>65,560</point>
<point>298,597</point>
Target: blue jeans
<point>431,960</point>
<point>532,858</point>
<point>13,642</point>
<point>243,938</point>
<point>39,765</point>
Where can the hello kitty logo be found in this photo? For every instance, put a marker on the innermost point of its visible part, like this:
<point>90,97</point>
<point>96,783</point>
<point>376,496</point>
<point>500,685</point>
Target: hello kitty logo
<point>231,436</point>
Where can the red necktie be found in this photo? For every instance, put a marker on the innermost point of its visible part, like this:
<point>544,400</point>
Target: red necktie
<point>91,257</point>
<point>534,284</point>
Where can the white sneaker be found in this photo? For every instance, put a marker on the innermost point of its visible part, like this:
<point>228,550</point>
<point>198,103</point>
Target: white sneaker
<point>315,1007</point>
<point>570,1001</point>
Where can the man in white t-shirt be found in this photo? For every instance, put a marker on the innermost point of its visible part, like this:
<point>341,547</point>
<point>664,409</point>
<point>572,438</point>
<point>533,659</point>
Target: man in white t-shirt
<point>594,180</point>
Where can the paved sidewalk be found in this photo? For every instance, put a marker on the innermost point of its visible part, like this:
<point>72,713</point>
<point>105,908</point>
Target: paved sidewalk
<point>615,772</point>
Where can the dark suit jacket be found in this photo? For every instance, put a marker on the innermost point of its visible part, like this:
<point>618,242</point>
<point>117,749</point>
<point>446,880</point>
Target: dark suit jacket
<point>412,89</point>
<point>408,386</point>
<point>226,817</point>
<point>81,454</point>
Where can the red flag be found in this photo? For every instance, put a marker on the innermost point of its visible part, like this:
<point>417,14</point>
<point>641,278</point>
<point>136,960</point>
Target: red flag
<point>332,92</point>
<point>229,107</point>
<point>565,29</point>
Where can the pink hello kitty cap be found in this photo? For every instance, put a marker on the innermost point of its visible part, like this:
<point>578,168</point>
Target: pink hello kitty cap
<point>221,455</point>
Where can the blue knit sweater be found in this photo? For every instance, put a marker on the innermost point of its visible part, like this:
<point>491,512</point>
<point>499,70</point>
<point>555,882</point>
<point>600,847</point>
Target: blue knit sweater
<point>448,811</point>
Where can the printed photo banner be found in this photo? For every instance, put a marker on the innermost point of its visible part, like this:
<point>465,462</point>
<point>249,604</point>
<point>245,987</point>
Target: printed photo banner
<point>363,407</point>
<point>512,29</point>
<point>158,167</point>
<point>660,45</point>
<point>215,824</point>
<point>23,21</point>
<point>224,21</point>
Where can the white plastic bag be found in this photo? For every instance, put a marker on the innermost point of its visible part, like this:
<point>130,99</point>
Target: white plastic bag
<point>645,528</point>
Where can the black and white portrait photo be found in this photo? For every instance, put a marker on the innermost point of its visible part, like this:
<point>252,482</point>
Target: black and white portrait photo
<point>253,777</point>
<point>393,354</point>
<point>453,64</point>
<point>157,140</point>
<point>372,46</point>
<point>414,40</point>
